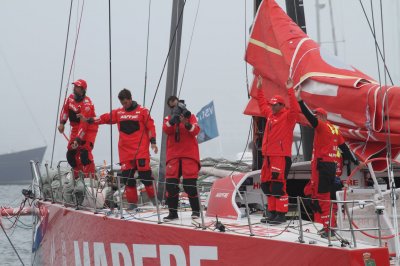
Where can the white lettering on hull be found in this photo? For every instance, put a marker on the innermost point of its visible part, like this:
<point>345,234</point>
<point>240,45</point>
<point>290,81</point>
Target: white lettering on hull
<point>172,250</point>
<point>118,249</point>
<point>199,253</point>
<point>100,258</point>
<point>143,251</point>
<point>86,256</point>
<point>120,252</point>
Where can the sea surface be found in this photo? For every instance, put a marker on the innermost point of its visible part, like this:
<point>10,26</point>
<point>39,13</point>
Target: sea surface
<point>19,233</point>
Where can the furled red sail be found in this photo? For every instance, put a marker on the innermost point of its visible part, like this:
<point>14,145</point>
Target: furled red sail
<point>364,111</point>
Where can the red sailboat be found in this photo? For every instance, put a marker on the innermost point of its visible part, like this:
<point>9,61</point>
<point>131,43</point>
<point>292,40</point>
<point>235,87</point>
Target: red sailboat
<point>228,233</point>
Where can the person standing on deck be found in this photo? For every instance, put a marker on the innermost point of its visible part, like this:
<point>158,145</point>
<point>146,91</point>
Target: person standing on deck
<point>183,157</point>
<point>327,140</point>
<point>136,133</point>
<point>277,150</point>
<point>83,136</point>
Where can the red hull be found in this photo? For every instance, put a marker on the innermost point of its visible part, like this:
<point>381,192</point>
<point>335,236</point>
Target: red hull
<point>69,237</point>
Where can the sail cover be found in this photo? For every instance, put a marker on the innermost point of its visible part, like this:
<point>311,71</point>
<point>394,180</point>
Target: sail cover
<point>365,112</point>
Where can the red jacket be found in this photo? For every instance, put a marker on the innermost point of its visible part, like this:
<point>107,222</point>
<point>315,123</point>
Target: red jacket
<point>278,134</point>
<point>135,127</point>
<point>80,129</point>
<point>327,138</point>
<point>187,147</point>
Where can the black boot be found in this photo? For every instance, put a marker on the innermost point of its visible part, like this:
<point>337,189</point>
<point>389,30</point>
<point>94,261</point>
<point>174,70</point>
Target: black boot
<point>195,215</point>
<point>270,216</point>
<point>172,203</point>
<point>279,219</point>
<point>173,215</point>
<point>332,233</point>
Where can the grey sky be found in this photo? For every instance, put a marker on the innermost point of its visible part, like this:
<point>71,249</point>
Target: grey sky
<point>32,45</point>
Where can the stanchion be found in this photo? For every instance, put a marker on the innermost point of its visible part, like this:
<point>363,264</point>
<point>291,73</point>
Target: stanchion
<point>156,200</point>
<point>330,224</point>
<point>379,211</point>
<point>301,237</point>
<point>119,193</point>
<point>93,194</point>
<point>48,178</point>
<point>263,205</point>
<point>37,164</point>
<point>201,210</point>
<point>353,236</point>
<point>248,214</point>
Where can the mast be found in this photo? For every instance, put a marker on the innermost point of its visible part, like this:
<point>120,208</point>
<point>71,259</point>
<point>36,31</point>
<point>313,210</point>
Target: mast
<point>335,50</point>
<point>318,7</point>
<point>295,10</point>
<point>172,82</point>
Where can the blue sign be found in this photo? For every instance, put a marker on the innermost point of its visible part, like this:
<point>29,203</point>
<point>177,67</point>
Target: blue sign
<point>207,122</point>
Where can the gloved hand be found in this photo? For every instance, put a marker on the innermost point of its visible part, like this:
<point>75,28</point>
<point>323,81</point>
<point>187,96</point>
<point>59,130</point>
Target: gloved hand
<point>188,126</point>
<point>174,120</point>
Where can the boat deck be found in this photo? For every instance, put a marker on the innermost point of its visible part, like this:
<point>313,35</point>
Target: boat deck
<point>142,235</point>
<point>288,232</point>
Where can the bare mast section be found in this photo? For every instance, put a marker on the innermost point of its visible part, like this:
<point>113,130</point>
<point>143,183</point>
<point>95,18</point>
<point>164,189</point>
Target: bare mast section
<point>172,81</point>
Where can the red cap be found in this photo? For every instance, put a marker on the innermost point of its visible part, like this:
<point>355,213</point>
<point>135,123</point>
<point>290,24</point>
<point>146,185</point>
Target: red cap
<point>80,83</point>
<point>276,99</point>
<point>320,111</point>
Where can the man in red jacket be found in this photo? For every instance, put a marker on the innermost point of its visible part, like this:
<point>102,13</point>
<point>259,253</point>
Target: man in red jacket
<point>136,132</point>
<point>327,140</point>
<point>277,150</point>
<point>183,157</point>
<point>83,136</point>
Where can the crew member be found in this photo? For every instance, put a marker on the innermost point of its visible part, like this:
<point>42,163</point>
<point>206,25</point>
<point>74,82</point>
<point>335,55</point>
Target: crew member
<point>327,139</point>
<point>136,133</point>
<point>277,150</point>
<point>82,137</point>
<point>183,157</point>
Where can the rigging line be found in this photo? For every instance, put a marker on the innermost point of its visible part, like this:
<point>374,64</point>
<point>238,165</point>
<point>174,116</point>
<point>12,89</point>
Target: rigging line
<point>12,245</point>
<point>385,108</point>
<point>245,48</point>
<point>376,48</point>
<point>190,45</point>
<point>110,74</point>
<point>159,80</point>
<point>71,67</point>
<point>147,55</point>
<point>70,70</point>
<point>376,43</point>
<point>166,59</point>
<point>14,79</point>
<point>383,41</point>
<point>61,83</point>
<point>74,53</point>
<point>386,104</point>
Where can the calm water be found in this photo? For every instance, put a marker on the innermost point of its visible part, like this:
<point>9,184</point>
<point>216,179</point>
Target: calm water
<point>21,234</point>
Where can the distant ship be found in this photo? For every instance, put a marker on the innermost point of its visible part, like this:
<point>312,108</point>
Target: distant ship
<point>15,168</point>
